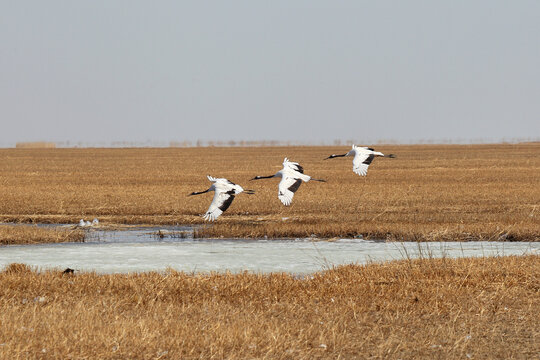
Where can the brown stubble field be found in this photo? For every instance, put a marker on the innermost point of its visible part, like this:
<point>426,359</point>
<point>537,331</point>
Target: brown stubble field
<point>429,192</point>
<point>483,308</point>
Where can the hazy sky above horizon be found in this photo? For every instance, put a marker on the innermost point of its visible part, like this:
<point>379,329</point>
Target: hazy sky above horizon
<point>309,71</point>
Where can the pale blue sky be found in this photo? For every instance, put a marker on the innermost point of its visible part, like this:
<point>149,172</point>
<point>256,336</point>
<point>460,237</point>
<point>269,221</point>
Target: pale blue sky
<point>309,71</point>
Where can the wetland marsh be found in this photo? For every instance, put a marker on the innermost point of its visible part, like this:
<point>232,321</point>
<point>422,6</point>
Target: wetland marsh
<point>428,193</point>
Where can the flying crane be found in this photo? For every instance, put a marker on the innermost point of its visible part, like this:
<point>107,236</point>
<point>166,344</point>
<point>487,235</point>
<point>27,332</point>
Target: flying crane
<point>363,156</point>
<point>291,176</point>
<point>224,193</point>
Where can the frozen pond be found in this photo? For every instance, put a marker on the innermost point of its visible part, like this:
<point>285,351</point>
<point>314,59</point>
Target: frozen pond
<point>142,249</point>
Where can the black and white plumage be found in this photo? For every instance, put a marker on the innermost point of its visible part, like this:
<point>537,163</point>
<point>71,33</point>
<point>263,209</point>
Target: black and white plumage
<point>224,193</point>
<point>363,156</point>
<point>291,176</point>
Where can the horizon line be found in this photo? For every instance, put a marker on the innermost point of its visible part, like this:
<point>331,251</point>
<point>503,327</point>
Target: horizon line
<point>256,143</point>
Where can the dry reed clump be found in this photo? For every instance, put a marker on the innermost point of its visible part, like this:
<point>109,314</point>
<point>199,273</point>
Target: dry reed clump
<point>16,268</point>
<point>431,308</point>
<point>429,192</point>
<point>11,235</point>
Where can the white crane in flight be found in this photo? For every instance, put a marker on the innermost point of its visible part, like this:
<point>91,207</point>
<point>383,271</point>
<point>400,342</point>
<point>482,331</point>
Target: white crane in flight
<point>291,176</point>
<point>224,193</point>
<point>363,156</point>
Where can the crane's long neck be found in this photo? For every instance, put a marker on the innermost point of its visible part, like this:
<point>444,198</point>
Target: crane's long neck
<point>263,177</point>
<point>199,193</point>
<point>335,156</point>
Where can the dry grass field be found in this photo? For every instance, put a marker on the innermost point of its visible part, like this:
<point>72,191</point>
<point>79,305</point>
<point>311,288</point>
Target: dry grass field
<point>429,308</point>
<point>483,308</point>
<point>429,192</point>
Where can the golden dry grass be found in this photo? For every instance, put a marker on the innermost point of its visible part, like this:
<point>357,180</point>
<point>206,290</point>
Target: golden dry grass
<point>481,308</point>
<point>10,235</point>
<point>429,192</point>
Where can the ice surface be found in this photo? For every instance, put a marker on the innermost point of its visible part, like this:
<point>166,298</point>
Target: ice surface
<point>141,249</point>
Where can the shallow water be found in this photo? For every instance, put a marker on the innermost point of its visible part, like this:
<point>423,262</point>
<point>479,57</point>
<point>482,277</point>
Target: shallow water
<point>142,249</point>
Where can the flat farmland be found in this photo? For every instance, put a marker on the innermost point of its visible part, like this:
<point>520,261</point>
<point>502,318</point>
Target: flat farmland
<point>429,192</point>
